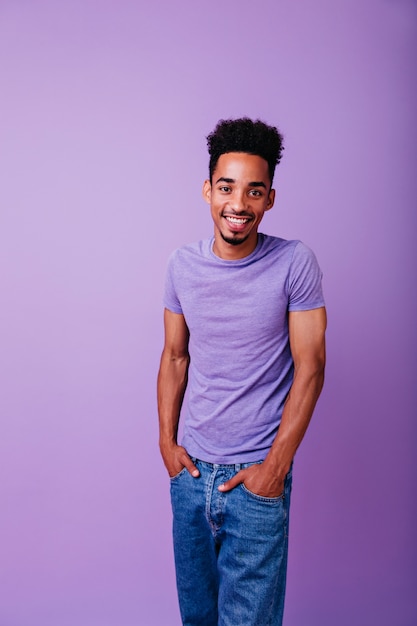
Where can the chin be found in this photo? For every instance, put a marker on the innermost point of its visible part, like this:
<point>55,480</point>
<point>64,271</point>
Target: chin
<point>234,241</point>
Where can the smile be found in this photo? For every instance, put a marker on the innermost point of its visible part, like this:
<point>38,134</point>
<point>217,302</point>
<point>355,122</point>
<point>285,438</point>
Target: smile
<point>237,220</point>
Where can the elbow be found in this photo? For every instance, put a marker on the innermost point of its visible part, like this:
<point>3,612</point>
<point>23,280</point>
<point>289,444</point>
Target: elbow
<point>320,379</point>
<point>319,372</point>
<point>177,359</point>
<point>180,360</point>
<point>318,365</point>
<point>312,372</point>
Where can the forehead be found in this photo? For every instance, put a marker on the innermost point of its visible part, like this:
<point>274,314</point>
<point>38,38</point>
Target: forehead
<point>241,166</point>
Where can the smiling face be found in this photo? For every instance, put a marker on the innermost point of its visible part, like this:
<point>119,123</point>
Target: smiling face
<point>239,195</point>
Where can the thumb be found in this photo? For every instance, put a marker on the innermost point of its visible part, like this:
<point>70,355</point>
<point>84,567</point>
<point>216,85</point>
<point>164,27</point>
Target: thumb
<point>237,479</point>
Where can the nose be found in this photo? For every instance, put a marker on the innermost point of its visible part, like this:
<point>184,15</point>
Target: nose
<point>237,201</point>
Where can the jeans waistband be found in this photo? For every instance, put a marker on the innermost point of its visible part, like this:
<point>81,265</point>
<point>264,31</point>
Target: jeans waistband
<point>236,466</point>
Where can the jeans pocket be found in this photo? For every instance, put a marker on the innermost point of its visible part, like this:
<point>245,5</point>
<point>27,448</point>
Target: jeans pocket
<point>184,469</point>
<point>259,498</point>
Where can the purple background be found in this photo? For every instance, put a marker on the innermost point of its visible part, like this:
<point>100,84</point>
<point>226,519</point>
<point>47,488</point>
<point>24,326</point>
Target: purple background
<point>104,110</point>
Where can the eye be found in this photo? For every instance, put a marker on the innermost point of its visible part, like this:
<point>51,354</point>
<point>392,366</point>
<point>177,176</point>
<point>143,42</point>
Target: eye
<point>225,188</point>
<point>255,192</point>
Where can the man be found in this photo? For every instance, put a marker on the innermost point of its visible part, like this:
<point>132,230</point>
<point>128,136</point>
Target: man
<point>244,326</point>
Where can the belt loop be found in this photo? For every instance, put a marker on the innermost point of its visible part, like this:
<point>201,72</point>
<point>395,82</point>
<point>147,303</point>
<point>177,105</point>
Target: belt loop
<point>238,467</point>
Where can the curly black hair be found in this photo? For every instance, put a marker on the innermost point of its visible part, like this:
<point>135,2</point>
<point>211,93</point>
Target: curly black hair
<point>245,135</point>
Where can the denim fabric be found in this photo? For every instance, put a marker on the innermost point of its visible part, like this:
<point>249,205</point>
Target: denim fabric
<point>230,549</point>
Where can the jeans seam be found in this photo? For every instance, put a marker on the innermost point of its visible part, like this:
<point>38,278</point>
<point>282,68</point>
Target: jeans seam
<point>209,492</point>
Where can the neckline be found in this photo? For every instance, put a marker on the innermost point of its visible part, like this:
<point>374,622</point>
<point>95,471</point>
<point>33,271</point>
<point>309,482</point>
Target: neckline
<point>240,261</point>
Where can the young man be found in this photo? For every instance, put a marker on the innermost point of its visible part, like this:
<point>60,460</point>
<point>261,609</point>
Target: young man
<point>244,326</point>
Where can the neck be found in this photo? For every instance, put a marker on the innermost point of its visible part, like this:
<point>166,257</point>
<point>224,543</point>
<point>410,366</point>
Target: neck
<point>231,252</point>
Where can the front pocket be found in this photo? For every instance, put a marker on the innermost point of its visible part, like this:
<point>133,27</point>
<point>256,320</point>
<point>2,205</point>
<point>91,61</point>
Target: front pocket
<point>184,469</point>
<point>259,498</point>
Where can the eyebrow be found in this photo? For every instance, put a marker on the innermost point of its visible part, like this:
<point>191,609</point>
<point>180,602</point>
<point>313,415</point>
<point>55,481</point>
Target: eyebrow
<point>222,179</point>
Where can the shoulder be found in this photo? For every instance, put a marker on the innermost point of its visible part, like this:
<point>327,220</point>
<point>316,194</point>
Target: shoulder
<point>302,254</point>
<point>272,243</point>
<point>197,248</point>
<point>189,253</point>
<point>276,248</point>
<point>294,250</point>
<point>304,280</point>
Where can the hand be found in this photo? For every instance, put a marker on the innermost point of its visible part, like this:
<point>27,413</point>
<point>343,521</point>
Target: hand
<point>257,479</point>
<point>176,458</point>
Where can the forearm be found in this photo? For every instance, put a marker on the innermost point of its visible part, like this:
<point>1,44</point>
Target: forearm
<point>307,341</point>
<point>172,382</point>
<point>267,479</point>
<point>298,410</point>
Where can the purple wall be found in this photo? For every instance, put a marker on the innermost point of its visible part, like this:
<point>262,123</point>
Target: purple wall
<point>104,110</point>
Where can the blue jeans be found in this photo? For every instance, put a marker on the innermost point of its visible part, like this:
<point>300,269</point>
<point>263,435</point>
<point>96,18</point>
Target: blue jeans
<point>230,549</point>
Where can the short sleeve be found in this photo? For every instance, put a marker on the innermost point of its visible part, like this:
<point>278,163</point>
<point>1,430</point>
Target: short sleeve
<point>171,300</point>
<point>304,281</point>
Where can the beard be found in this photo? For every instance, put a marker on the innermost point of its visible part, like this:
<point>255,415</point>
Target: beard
<point>233,241</point>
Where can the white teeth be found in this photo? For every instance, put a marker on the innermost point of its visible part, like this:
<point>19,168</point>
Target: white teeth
<point>236,220</point>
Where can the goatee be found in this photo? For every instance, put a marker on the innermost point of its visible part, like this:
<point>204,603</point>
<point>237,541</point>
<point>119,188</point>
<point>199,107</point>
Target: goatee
<point>233,241</point>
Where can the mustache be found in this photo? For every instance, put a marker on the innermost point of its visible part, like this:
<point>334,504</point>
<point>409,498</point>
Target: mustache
<point>232,213</point>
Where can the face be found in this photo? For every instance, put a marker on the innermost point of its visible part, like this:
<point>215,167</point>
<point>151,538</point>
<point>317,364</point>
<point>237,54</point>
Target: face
<point>239,195</point>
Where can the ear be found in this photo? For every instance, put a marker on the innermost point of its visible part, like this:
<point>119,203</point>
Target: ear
<point>271,199</point>
<point>207,191</point>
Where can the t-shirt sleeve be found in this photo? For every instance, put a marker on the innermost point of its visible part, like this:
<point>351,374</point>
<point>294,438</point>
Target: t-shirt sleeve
<point>304,282</point>
<point>170,299</point>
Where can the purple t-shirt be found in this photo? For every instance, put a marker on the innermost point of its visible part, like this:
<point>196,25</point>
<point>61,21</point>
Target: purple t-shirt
<point>241,367</point>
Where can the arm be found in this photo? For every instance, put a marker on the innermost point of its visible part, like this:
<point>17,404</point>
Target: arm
<point>172,382</point>
<point>306,333</point>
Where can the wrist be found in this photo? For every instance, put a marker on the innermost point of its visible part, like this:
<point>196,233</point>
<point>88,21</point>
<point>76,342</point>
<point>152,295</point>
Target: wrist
<point>277,465</point>
<point>167,443</point>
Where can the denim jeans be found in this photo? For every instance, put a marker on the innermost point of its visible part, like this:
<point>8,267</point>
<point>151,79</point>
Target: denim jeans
<point>230,549</point>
